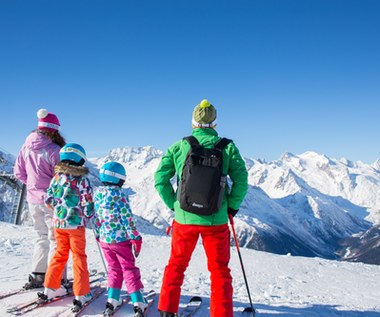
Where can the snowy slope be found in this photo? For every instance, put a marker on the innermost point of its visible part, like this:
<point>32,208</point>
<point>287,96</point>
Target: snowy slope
<point>280,285</point>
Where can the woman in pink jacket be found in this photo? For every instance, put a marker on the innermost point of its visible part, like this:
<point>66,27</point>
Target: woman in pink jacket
<point>35,168</point>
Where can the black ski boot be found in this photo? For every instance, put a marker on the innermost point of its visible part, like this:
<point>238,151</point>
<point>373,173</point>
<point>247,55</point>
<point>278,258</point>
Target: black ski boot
<point>77,306</point>
<point>42,298</point>
<point>110,310</point>
<point>138,312</point>
<point>167,314</point>
<point>35,280</point>
<point>67,284</point>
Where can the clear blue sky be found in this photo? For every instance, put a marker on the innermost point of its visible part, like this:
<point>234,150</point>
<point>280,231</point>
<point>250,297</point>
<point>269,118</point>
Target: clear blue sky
<point>294,75</point>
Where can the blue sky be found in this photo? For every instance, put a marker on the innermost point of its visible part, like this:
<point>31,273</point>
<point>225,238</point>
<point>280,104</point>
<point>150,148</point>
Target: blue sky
<point>294,75</point>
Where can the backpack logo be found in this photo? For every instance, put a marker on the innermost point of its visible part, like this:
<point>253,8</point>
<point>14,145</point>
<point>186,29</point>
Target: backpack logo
<point>202,185</point>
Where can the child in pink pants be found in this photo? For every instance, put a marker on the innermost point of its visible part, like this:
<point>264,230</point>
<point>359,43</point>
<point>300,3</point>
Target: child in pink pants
<point>118,237</point>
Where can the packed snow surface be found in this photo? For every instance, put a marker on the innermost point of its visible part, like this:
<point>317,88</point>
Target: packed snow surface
<point>280,285</point>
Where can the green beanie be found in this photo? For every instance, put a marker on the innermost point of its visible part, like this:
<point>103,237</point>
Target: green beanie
<point>204,115</point>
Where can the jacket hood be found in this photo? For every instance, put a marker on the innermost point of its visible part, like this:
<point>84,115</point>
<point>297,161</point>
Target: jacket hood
<point>37,141</point>
<point>206,136</point>
<point>65,168</point>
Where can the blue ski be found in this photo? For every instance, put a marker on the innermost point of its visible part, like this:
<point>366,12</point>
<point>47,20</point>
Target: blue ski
<point>191,307</point>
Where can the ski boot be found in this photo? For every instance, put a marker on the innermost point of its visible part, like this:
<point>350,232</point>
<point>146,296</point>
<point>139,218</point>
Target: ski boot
<point>139,312</point>
<point>50,293</point>
<point>79,301</point>
<point>167,314</point>
<point>67,284</point>
<point>139,308</point>
<point>139,303</point>
<point>111,305</point>
<point>35,280</point>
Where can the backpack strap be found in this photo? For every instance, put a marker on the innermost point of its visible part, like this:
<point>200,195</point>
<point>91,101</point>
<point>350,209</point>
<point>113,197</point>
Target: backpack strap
<point>222,143</point>
<point>192,141</point>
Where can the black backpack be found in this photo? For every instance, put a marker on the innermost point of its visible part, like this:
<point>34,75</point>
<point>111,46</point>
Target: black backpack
<point>202,185</point>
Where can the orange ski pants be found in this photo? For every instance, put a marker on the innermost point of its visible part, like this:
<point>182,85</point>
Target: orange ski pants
<point>216,243</point>
<point>73,240</point>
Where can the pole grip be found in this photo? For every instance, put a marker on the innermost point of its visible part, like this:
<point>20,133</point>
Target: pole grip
<point>234,232</point>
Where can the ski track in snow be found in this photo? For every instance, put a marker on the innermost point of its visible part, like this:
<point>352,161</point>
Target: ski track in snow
<point>282,286</point>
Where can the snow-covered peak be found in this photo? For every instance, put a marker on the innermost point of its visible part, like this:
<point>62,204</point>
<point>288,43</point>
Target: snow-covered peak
<point>130,154</point>
<point>287,156</point>
<point>376,165</point>
<point>6,162</point>
<point>135,157</point>
<point>318,159</point>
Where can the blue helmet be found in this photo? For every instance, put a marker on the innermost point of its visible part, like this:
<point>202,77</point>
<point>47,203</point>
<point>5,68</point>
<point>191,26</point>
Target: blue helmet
<point>113,172</point>
<point>73,153</point>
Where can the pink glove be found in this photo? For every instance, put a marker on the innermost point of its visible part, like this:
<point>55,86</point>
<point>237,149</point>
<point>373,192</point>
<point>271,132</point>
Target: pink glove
<point>136,246</point>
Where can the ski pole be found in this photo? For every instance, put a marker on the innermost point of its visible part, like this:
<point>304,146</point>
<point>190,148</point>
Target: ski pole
<point>247,309</point>
<point>97,243</point>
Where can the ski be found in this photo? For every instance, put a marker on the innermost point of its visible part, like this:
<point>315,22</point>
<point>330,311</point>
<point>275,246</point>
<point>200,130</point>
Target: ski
<point>77,309</point>
<point>111,310</point>
<point>34,303</point>
<point>23,290</point>
<point>191,307</point>
<point>17,291</point>
<point>150,297</point>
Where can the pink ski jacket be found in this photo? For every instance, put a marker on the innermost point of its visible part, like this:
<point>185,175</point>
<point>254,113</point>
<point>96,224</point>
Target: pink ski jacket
<point>35,165</point>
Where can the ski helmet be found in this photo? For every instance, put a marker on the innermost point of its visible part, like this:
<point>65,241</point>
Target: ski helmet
<point>73,153</point>
<point>113,172</point>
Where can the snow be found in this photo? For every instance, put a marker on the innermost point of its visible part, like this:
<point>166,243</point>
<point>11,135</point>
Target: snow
<point>280,285</point>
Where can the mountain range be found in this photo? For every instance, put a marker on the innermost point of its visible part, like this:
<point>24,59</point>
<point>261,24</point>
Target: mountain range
<point>305,205</point>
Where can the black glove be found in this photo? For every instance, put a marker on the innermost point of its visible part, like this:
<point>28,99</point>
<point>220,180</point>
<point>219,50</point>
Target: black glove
<point>232,212</point>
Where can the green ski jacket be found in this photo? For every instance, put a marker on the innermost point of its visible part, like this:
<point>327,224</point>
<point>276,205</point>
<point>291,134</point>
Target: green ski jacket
<point>172,164</point>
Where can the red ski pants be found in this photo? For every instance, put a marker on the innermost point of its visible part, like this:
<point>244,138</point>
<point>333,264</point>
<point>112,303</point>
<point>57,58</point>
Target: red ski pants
<point>216,243</point>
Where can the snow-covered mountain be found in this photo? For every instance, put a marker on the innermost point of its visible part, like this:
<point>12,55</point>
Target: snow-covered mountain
<point>363,247</point>
<point>376,165</point>
<point>353,181</point>
<point>330,198</point>
<point>300,204</point>
<point>8,187</point>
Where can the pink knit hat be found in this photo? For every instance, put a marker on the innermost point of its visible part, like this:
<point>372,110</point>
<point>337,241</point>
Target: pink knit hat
<point>47,121</point>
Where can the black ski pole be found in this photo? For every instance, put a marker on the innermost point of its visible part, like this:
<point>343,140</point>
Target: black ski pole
<point>247,309</point>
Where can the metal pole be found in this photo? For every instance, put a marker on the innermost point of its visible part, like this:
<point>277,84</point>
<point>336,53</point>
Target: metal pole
<point>20,205</point>
<point>248,309</point>
<point>99,248</point>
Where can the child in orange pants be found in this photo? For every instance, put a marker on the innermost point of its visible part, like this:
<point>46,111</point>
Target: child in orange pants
<point>70,194</point>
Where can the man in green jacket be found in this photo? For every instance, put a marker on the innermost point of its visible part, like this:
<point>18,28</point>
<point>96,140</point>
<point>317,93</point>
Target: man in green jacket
<point>188,226</point>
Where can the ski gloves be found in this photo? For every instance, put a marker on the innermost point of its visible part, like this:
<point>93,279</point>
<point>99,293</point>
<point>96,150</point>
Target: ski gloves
<point>232,212</point>
<point>136,246</point>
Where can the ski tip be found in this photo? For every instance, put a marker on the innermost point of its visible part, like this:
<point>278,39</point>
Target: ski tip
<point>196,299</point>
<point>249,311</point>
<point>151,293</point>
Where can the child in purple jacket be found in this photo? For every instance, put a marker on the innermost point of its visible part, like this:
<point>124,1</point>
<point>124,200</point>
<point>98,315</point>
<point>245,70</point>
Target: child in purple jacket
<point>116,232</point>
<point>35,168</point>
